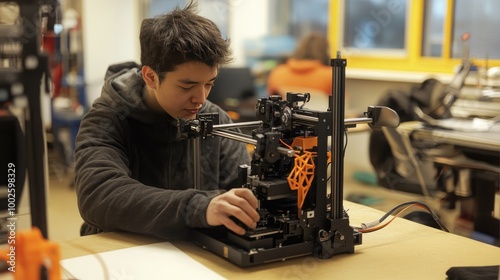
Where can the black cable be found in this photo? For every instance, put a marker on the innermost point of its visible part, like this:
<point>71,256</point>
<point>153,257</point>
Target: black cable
<point>345,146</point>
<point>346,140</point>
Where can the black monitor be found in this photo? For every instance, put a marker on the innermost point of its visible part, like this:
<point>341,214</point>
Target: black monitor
<point>232,83</point>
<point>12,160</point>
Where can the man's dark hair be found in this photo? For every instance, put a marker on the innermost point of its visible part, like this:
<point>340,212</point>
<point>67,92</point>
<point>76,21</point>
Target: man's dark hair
<point>181,36</point>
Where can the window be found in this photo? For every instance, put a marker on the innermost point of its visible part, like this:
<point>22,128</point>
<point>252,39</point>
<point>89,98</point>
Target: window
<point>375,25</point>
<point>481,20</point>
<point>433,32</point>
<point>308,16</point>
<point>297,18</point>
<point>415,35</point>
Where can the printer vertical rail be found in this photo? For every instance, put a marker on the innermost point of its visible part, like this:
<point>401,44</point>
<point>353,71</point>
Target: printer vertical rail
<point>337,103</point>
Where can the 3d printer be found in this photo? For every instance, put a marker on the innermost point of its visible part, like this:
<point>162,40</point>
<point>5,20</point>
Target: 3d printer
<point>296,178</point>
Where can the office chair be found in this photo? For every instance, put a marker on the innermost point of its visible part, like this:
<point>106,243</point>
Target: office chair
<point>399,165</point>
<point>398,160</point>
<point>234,91</point>
<point>413,167</point>
<point>232,83</point>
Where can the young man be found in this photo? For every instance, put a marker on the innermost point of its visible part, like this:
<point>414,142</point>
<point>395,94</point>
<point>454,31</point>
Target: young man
<point>133,172</point>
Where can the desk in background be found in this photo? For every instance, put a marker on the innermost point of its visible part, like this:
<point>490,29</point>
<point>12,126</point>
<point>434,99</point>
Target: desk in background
<point>402,250</point>
<point>481,140</point>
<point>479,160</point>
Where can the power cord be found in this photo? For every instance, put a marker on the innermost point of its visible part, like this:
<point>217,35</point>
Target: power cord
<point>399,209</point>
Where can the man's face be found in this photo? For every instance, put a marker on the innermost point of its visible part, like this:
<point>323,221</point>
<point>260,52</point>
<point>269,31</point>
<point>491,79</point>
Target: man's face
<point>183,91</point>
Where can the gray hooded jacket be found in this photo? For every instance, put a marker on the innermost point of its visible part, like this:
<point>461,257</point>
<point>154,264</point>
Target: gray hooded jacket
<point>133,173</point>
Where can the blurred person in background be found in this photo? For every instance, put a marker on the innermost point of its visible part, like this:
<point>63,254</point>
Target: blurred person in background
<point>307,70</point>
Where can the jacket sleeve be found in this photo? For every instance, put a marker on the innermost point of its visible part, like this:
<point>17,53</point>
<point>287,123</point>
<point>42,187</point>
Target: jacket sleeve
<point>109,199</point>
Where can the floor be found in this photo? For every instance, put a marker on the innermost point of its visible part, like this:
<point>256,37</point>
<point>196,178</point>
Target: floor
<point>64,219</point>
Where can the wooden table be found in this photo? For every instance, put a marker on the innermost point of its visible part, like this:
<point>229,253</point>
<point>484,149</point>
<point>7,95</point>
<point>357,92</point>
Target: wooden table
<point>402,250</point>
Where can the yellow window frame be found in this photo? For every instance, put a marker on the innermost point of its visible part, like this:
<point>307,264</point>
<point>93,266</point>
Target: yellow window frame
<point>413,61</point>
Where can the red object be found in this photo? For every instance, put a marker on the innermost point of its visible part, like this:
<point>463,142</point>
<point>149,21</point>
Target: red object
<point>49,45</point>
<point>465,36</point>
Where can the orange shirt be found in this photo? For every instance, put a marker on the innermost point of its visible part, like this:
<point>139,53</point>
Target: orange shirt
<point>308,74</point>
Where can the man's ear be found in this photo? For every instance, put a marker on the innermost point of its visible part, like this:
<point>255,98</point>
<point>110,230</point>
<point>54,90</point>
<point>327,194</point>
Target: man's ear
<point>150,77</point>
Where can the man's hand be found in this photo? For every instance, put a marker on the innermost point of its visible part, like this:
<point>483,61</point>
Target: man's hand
<point>240,203</point>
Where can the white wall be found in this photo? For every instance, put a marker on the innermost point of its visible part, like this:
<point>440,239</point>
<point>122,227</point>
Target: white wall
<point>110,35</point>
<point>248,20</point>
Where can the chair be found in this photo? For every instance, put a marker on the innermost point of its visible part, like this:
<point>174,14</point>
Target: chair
<point>234,91</point>
<point>448,169</point>
<point>232,83</point>
<point>413,162</point>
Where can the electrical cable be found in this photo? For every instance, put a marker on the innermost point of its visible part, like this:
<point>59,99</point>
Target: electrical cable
<point>376,225</point>
<point>329,156</point>
<point>346,140</point>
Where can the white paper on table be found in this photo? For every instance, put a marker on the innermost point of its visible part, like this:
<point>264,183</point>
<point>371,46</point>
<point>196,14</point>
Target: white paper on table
<point>153,261</point>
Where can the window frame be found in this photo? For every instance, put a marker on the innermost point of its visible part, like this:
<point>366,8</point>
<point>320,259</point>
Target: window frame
<point>413,61</point>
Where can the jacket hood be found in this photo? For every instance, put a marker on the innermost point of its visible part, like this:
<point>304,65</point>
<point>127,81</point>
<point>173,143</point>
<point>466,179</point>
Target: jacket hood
<point>123,89</point>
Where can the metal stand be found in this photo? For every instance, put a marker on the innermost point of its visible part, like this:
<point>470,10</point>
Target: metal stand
<point>337,105</point>
<point>25,82</point>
